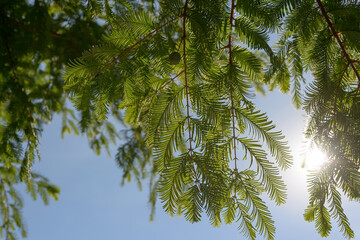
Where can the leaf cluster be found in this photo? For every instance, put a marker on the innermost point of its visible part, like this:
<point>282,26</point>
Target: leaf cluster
<point>191,121</point>
<point>319,36</point>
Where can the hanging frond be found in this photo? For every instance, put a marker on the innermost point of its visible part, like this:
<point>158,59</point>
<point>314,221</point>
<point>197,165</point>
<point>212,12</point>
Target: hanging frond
<point>258,125</point>
<point>338,212</point>
<point>268,174</point>
<point>194,111</point>
<point>259,211</point>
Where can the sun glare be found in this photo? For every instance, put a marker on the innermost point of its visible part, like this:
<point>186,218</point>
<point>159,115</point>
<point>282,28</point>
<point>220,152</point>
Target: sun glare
<point>315,159</point>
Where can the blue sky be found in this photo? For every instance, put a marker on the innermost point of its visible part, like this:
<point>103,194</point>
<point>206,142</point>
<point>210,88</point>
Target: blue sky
<point>93,205</point>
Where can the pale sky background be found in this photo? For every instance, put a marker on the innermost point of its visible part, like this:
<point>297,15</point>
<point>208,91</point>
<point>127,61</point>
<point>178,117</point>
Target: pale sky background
<point>93,205</point>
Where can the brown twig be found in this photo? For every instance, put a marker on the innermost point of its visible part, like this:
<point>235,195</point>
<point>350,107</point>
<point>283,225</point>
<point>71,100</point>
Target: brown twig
<point>131,47</point>
<point>178,49</point>
<point>224,47</point>
<point>337,37</point>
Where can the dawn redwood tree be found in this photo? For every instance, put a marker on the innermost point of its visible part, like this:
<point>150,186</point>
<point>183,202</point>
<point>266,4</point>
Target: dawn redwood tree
<point>183,73</point>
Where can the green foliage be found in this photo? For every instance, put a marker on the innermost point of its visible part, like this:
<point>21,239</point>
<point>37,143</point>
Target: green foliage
<point>320,30</point>
<point>196,115</point>
<point>190,123</point>
<point>36,39</point>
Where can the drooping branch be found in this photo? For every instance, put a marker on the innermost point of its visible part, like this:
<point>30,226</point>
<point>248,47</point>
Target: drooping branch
<point>132,47</point>
<point>231,87</point>
<point>337,37</point>
<point>336,93</point>
<point>187,90</point>
<point>28,101</point>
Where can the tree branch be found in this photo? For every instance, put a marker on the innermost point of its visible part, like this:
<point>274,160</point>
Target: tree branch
<point>231,87</point>
<point>337,37</point>
<point>29,104</point>
<point>336,94</point>
<point>187,91</point>
<point>131,47</point>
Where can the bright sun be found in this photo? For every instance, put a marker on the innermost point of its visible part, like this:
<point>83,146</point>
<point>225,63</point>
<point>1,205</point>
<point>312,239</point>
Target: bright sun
<point>315,158</point>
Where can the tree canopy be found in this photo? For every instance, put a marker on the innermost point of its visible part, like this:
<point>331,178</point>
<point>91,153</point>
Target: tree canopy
<point>180,77</point>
